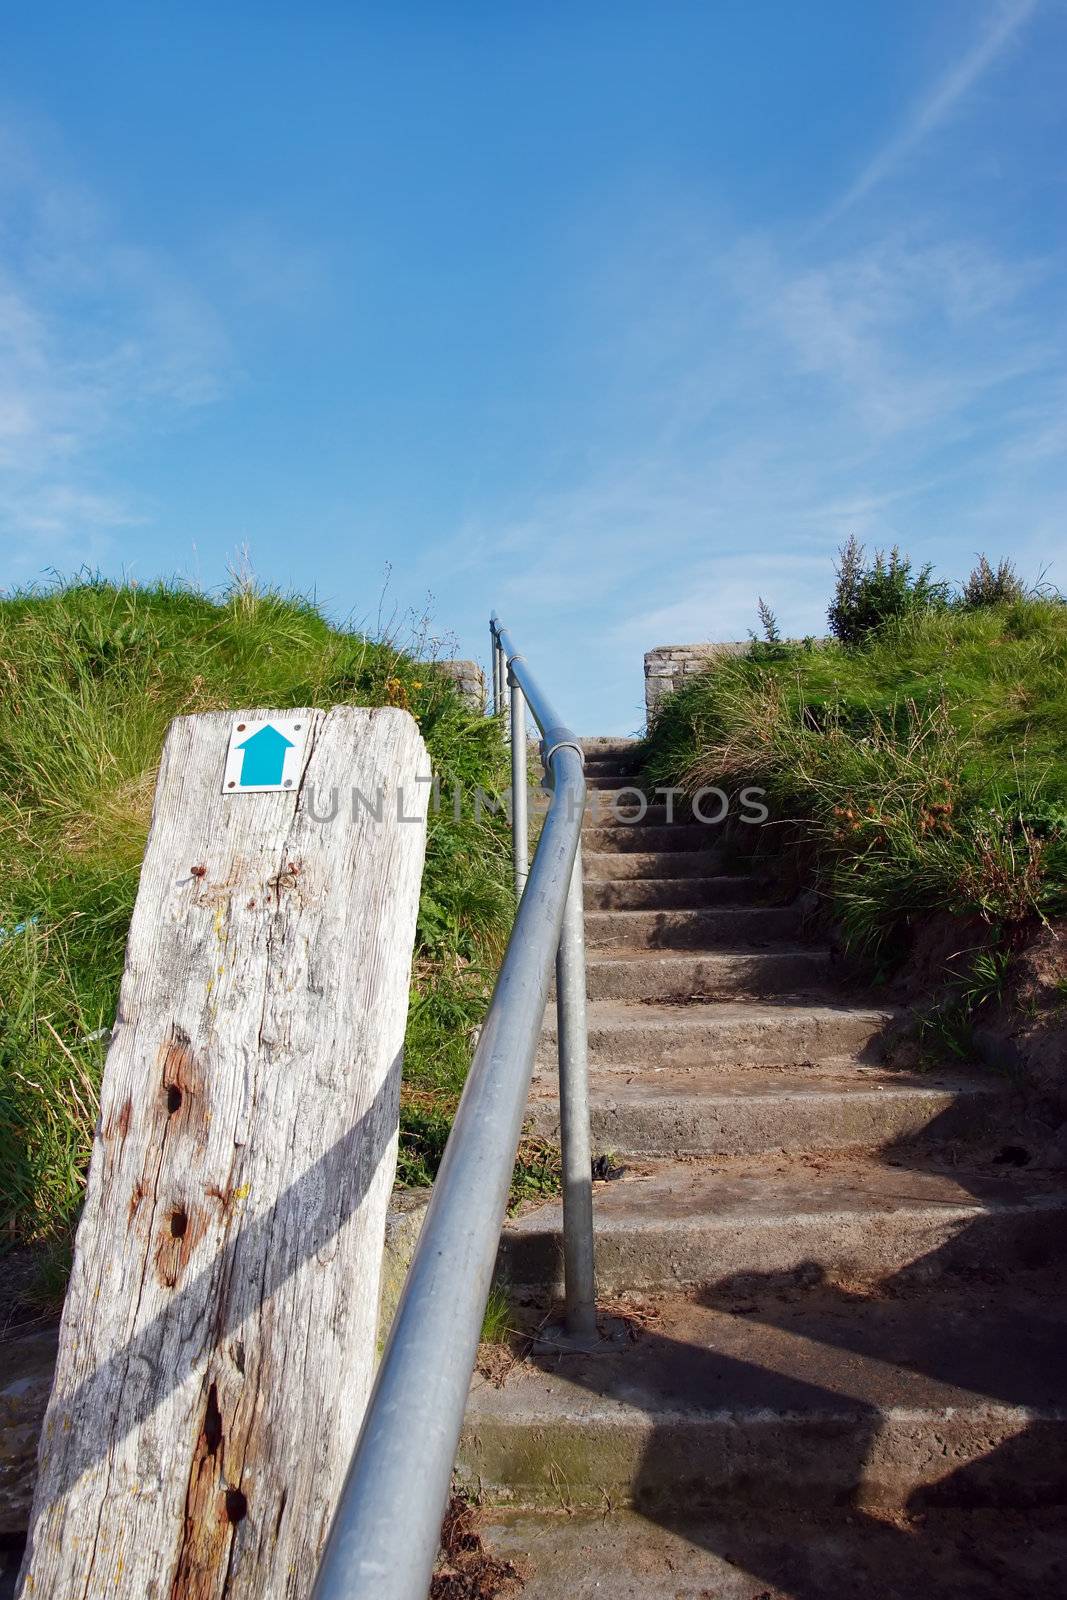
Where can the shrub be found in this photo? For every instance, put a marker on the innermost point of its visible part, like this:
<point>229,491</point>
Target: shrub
<point>768,622</point>
<point>989,586</point>
<point>867,597</point>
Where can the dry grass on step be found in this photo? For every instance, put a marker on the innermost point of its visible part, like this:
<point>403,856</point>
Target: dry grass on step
<point>465,1569</point>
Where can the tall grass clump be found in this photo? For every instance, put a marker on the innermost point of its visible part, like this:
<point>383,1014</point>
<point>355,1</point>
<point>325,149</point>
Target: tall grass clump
<point>922,767</point>
<point>91,674</point>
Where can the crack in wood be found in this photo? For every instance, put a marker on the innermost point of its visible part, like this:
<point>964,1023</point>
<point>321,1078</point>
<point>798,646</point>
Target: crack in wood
<point>219,1339</point>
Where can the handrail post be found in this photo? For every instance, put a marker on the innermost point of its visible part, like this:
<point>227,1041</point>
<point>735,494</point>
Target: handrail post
<point>572,1046</point>
<point>497,661</point>
<point>520,834</point>
<point>500,676</point>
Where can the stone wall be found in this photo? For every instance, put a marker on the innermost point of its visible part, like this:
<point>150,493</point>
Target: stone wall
<point>668,666</point>
<point>469,680</point>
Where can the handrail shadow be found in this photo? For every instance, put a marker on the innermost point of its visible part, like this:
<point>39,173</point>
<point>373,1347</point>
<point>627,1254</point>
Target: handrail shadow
<point>1004,1342</point>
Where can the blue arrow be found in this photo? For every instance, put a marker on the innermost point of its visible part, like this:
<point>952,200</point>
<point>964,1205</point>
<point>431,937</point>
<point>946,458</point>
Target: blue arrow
<point>264,760</point>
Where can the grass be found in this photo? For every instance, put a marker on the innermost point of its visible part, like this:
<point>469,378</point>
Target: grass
<point>538,1172</point>
<point>924,770</point>
<point>91,674</point>
<point>498,1318</point>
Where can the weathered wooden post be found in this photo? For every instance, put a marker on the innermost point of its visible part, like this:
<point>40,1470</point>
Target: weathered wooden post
<point>218,1338</point>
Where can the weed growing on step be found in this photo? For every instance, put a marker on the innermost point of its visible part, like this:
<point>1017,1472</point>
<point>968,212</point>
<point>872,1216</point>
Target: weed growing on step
<point>973,984</point>
<point>538,1172</point>
<point>498,1317</point>
<point>91,674</point>
<point>924,768</point>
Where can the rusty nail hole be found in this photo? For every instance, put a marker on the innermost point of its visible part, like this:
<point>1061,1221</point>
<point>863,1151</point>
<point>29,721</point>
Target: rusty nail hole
<point>232,784</point>
<point>241,726</point>
<point>212,1422</point>
<point>236,1506</point>
<point>174,1098</point>
<point>179,1222</point>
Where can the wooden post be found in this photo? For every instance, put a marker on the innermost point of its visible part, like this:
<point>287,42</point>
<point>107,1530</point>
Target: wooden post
<point>218,1337</point>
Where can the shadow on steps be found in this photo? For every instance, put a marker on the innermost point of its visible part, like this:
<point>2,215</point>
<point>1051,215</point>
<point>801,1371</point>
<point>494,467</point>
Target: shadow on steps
<point>922,1402</point>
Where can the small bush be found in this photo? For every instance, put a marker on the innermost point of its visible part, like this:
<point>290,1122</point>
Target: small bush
<point>867,597</point>
<point>771,646</point>
<point>992,586</point>
<point>768,622</point>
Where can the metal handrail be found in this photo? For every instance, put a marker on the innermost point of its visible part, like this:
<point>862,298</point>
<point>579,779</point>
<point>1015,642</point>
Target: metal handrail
<point>386,1529</point>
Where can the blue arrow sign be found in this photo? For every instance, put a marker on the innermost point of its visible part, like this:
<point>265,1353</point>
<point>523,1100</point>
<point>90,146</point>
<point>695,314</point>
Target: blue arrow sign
<point>264,756</point>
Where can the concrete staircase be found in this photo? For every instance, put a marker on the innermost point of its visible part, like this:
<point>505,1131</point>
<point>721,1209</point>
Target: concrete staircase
<point>832,1337</point>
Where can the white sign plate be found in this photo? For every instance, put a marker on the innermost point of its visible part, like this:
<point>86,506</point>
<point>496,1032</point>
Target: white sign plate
<point>265,753</point>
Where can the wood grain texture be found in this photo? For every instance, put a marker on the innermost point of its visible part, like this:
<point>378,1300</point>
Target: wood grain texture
<point>218,1336</point>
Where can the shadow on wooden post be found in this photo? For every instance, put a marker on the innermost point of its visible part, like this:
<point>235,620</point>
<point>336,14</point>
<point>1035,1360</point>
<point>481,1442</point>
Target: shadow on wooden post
<point>218,1339</point>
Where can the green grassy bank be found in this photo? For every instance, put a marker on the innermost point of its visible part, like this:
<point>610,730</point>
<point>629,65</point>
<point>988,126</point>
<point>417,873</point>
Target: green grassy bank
<point>90,677</point>
<point>921,768</point>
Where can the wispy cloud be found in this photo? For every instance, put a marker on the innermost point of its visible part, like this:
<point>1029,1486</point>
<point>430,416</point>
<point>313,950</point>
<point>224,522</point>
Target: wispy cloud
<point>99,338</point>
<point>938,105</point>
<point>911,333</point>
<point>263,266</point>
<point>902,391</point>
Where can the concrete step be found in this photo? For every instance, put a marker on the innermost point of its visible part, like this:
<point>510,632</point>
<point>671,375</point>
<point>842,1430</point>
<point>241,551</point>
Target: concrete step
<point>689,1111</point>
<point>609,866</point>
<point>676,1224</point>
<point>607,781</point>
<point>606,811</point>
<point>815,1400</point>
<point>617,808</point>
<point>610,767</point>
<point>610,746</point>
<point>641,975</point>
<point>621,764</point>
<point>645,837</point>
<point>838,1554</point>
<point>733,926</point>
<point>725,1034</point>
<point>660,894</point>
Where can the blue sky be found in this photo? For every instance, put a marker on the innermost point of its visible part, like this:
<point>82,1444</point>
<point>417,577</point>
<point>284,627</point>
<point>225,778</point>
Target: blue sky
<point>611,316</point>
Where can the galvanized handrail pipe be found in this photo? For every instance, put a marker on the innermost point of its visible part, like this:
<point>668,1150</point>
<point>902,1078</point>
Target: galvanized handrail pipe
<point>520,781</point>
<point>386,1529</point>
<point>571,1028</point>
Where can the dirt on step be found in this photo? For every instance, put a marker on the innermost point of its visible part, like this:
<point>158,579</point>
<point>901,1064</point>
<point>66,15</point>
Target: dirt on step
<point>465,1569</point>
